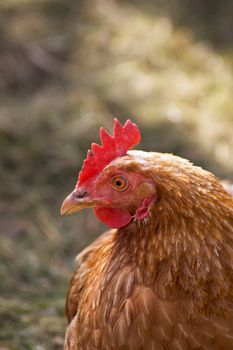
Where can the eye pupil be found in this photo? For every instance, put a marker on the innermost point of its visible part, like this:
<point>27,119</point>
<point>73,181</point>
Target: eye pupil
<point>118,183</point>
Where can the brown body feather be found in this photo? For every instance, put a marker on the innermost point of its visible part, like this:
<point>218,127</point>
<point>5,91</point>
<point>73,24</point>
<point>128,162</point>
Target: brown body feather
<point>165,283</point>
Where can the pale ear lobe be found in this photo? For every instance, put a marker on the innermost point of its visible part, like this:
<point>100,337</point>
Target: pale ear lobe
<point>143,211</point>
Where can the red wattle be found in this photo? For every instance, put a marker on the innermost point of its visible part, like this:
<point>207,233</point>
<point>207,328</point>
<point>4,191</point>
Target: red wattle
<point>113,217</point>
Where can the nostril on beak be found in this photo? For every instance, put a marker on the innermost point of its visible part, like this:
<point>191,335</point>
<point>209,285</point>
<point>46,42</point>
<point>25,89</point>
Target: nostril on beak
<point>80,194</point>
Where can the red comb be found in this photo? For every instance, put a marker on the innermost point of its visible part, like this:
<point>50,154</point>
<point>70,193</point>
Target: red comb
<point>124,137</point>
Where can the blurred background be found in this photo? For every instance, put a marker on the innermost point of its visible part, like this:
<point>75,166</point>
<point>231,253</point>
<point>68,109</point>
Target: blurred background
<point>66,68</point>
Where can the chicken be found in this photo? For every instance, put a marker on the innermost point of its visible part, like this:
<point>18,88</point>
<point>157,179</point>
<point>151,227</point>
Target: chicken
<point>162,277</point>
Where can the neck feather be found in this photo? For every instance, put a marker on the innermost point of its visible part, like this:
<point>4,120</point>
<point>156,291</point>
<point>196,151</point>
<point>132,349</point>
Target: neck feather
<point>180,254</point>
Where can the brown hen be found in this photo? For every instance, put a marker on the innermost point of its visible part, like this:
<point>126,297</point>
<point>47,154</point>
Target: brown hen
<point>163,278</point>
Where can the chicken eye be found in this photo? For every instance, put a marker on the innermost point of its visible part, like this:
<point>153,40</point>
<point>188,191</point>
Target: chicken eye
<point>119,183</point>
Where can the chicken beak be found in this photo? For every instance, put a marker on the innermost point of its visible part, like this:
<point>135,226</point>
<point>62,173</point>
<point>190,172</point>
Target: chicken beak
<point>75,201</point>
